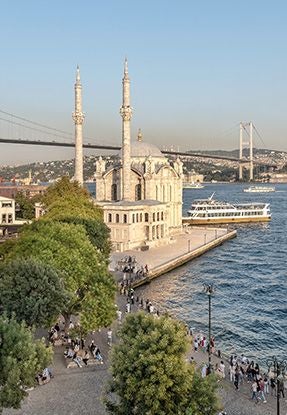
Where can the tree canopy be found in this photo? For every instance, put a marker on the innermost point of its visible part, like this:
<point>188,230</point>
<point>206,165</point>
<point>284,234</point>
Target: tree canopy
<point>32,290</point>
<point>150,373</point>
<point>86,280</point>
<point>21,359</point>
<point>68,202</point>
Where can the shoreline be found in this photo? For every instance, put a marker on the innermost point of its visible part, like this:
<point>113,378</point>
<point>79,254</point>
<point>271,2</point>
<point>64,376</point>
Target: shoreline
<point>182,249</point>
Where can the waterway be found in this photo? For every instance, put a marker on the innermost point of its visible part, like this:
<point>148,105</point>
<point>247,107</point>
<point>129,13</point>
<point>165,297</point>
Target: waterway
<point>249,306</point>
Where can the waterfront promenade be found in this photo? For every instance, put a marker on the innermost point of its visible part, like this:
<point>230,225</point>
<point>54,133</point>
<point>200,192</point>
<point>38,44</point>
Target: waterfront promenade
<point>81,390</point>
<point>182,248</point>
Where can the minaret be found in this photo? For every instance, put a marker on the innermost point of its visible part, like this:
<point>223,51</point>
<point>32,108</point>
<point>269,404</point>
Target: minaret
<point>126,114</point>
<point>78,118</point>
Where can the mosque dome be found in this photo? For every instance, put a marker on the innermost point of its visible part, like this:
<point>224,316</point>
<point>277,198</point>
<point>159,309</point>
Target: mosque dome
<point>142,149</point>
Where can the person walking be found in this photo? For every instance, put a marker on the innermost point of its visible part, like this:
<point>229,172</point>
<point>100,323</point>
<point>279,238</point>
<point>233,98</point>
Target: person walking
<point>236,378</point>
<point>254,391</point>
<point>119,316</point>
<point>231,372</point>
<point>109,335</point>
<point>272,386</point>
<point>261,390</point>
<point>195,344</point>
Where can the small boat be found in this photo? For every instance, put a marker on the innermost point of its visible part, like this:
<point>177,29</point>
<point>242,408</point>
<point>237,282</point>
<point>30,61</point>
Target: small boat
<point>210,211</point>
<point>259,189</point>
<point>193,186</point>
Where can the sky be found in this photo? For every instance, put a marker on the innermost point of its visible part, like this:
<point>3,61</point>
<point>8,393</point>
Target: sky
<point>197,69</point>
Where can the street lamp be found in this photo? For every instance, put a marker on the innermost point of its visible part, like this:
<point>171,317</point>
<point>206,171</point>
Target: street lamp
<point>279,369</point>
<point>209,289</point>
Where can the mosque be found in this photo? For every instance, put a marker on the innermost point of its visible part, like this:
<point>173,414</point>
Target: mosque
<point>141,193</point>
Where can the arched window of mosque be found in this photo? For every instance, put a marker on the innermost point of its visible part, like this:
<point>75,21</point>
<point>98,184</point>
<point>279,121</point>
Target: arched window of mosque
<point>114,195</point>
<point>133,218</point>
<point>137,217</point>
<point>146,217</point>
<point>138,192</point>
<point>156,192</point>
<point>157,215</point>
<point>141,217</point>
<point>163,193</point>
<point>161,215</point>
<point>170,193</point>
<point>153,217</point>
<point>125,218</point>
<point>109,217</point>
<point>117,218</point>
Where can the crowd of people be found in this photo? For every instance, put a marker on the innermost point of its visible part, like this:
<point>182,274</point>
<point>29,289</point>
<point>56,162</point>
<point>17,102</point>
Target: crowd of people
<point>131,271</point>
<point>240,371</point>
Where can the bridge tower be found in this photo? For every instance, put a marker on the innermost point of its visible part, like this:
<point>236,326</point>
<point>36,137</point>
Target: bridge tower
<point>78,117</point>
<point>248,127</point>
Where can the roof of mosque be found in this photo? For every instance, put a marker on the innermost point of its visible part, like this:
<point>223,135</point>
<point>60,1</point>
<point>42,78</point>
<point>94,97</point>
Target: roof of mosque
<point>143,149</point>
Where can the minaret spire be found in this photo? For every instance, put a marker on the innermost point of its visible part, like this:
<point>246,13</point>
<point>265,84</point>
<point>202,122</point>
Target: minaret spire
<point>78,117</point>
<point>126,114</point>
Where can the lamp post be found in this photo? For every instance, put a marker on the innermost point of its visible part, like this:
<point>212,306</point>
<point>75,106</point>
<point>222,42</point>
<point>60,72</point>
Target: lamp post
<point>209,289</point>
<point>279,369</point>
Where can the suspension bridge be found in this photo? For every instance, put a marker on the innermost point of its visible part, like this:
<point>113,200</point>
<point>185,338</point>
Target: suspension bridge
<point>18,130</point>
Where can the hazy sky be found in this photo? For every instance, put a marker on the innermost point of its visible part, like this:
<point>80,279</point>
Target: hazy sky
<point>197,69</point>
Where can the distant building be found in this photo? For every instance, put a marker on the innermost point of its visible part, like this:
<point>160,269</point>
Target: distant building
<point>141,194</point>
<point>7,214</point>
<point>278,177</point>
<point>11,191</point>
<point>7,210</point>
<point>193,177</point>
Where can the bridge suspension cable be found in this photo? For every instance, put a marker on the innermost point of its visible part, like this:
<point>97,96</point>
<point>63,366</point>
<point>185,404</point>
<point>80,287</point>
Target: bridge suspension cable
<point>50,131</point>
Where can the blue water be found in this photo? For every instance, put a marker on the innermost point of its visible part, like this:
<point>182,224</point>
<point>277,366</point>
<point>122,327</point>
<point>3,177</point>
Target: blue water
<point>249,307</point>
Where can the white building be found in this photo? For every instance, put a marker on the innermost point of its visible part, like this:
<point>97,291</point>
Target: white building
<point>141,195</point>
<point>7,211</point>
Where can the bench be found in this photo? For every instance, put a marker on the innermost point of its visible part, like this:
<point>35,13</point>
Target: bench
<point>70,363</point>
<point>92,361</point>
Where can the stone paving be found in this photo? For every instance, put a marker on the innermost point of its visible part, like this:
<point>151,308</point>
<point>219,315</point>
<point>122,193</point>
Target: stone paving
<point>81,391</point>
<point>181,244</point>
<point>239,402</point>
<point>77,391</point>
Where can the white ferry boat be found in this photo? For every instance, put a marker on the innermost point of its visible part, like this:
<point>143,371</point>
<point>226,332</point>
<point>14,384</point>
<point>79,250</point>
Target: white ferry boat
<point>193,186</point>
<point>259,189</point>
<point>210,211</point>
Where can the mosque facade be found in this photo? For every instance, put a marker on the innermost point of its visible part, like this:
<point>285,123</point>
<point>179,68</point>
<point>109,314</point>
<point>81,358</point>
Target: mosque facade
<point>141,194</point>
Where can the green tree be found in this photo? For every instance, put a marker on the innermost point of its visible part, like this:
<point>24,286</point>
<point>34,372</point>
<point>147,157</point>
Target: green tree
<point>24,207</point>
<point>68,202</point>
<point>150,375</point>
<point>67,249</point>
<point>21,359</point>
<point>203,396</point>
<point>33,291</point>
